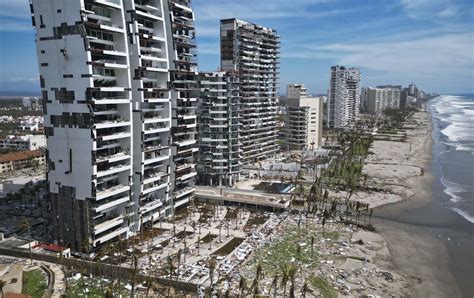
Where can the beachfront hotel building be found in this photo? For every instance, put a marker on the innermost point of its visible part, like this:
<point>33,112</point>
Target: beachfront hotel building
<point>253,51</point>
<point>343,97</point>
<point>303,119</point>
<point>376,100</point>
<point>219,162</point>
<point>118,81</point>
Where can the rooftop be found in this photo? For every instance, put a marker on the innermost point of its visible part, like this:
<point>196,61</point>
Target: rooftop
<point>20,155</point>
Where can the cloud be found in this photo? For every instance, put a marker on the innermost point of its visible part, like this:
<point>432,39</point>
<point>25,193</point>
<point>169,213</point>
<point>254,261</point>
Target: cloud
<point>444,60</point>
<point>424,9</point>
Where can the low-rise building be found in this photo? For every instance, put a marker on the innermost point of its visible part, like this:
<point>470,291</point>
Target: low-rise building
<point>31,123</point>
<point>23,143</point>
<point>21,160</point>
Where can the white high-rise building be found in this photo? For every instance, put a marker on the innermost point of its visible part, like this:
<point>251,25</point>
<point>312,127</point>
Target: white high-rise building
<point>378,99</point>
<point>219,129</point>
<point>343,97</point>
<point>110,78</point>
<point>254,51</point>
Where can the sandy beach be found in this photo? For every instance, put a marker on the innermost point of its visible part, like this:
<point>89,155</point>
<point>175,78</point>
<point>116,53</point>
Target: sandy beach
<point>417,251</point>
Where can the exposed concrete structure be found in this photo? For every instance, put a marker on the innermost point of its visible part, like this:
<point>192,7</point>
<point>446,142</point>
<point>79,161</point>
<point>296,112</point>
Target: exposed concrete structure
<point>219,131</point>
<point>296,91</point>
<point>343,97</point>
<point>303,119</point>
<point>253,51</point>
<point>112,80</point>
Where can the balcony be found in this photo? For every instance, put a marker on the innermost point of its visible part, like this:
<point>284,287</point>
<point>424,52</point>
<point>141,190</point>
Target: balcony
<point>110,169</point>
<point>158,127</point>
<point>154,186</point>
<point>114,157</point>
<point>111,235</point>
<point>107,224</point>
<point>156,156</point>
<point>184,191</point>
<point>105,191</point>
<point>150,206</point>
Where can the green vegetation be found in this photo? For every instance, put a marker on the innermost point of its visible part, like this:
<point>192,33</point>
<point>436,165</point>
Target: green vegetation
<point>93,288</point>
<point>34,283</point>
<point>398,116</point>
<point>7,129</point>
<point>323,286</point>
<point>345,172</point>
<point>293,247</point>
<point>15,113</point>
<point>334,235</point>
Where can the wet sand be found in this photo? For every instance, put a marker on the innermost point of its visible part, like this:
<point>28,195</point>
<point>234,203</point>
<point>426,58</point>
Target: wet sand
<point>430,245</point>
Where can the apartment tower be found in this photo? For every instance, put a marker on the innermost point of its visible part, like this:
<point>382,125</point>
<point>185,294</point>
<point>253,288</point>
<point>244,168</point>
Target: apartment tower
<point>343,97</point>
<point>112,103</point>
<point>303,119</point>
<point>219,129</point>
<point>253,51</point>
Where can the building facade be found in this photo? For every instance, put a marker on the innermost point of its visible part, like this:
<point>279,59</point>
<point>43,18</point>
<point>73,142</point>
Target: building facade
<point>219,129</point>
<point>21,160</point>
<point>296,91</point>
<point>111,106</point>
<point>376,100</point>
<point>23,143</point>
<point>343,97</point>
<point>253,51</point>
<point>303,119</point>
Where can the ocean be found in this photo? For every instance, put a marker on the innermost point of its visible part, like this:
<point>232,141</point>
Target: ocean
<point>453,151</point>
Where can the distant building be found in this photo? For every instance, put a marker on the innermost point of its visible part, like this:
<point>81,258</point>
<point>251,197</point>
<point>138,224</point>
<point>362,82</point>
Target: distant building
<point>296,91</point>
<point>219,138</point>
<point>254,51</point>
<point>303,119</point>
<point>303,123</point>
<point>20,160</point>
<point>376,100</point>
<point>23,143</point>
<point>403,98</point>
<point>31,123</point>
<point>343,97</point>
<point>32,103</point>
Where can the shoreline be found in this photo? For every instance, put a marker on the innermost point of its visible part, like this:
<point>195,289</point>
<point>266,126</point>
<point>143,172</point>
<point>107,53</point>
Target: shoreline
<point>416,237</point>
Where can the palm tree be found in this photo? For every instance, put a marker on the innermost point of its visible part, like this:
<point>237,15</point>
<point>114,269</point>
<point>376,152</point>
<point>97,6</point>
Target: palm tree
<point>2,284</point>
<point>180,251</point>
<point>198,244</point>
<point>212,267</point>
<point>134,273</point>
<point>312,246</point>
<point>323,223</point>
<point>304,290</point>
<point>274,285</point>
<point>242,286</point>
<point>284,277</point>
<point>25,226</point>
<point>149,284</point>
<point>292,275</point>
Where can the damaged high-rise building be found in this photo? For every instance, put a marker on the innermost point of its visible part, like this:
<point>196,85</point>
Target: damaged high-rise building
<point>118,79</point>
<point>253,52</point>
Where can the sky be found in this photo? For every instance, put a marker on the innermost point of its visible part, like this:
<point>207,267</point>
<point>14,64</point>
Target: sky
<point>428,42</point>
